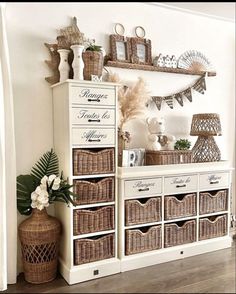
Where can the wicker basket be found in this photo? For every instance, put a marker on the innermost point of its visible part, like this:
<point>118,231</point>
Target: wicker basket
<point>94,249</point>
<point>168,157</point>
<point>93,191</point>
<point>137,241</point>
<point>180,233</point>
<point>176,208</point>
<point>138,213</point>
<point>93,220</point>
<point>212,227</point>
<point>93,162</point>
<point>213,201</point>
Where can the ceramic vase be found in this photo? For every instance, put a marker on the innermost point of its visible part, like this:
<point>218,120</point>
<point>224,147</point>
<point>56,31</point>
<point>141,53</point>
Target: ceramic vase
<point>64,67</point>
<point>39,236</point>
<point>78,63</point>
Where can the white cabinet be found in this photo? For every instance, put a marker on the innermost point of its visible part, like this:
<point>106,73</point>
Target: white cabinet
<point>172,211</point>
<point>85,133</point>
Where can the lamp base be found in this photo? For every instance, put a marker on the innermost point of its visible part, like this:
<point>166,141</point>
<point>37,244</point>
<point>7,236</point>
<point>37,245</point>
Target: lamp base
<point>205,149</point>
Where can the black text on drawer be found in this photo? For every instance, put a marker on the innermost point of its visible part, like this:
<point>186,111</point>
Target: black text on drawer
<point>143,239</point>
<point>177,206</point>
<point>92,95</point>
<point>213,201</point>
<point>94,249</point>
<point>179,233</point>
<point>143,187</point>
<point>95,161</point>
<point>93,116</point>
<point>94,190</point>
<point>93,136</point>
<point>92,220</point>
<point>212,227</point>
<point>140,211</point>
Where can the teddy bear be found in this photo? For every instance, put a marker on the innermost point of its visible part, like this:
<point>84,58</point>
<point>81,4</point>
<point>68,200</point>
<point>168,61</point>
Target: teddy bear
<point>157,138</point>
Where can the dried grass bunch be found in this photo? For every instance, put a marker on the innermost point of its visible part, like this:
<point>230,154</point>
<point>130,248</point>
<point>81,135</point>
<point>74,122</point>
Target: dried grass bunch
<point>132,100</point>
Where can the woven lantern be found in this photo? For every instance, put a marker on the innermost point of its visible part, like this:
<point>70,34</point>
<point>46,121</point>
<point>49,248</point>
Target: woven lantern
<point>205,126</point>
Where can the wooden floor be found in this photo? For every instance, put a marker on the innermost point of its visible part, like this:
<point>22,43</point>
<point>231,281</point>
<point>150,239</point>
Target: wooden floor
<point>207,273</point>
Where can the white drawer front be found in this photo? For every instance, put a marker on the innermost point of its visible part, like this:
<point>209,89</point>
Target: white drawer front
<point>143,187</point>
<point>92,137</point>
<point>180,184</point>
<point>214,180</point>
<point>92,116</point>
<point>92,96</point>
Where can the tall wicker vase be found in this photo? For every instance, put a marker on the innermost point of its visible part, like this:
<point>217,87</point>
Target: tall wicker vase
<point>93,64</point>
<point>39,236</point>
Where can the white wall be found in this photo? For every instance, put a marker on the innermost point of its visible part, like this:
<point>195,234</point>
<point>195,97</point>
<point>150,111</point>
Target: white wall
<point>29,25</point>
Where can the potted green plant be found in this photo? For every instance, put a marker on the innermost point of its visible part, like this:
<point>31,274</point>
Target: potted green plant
<point>40,233</point>
<point>93,58</point>
<point>182,144</point>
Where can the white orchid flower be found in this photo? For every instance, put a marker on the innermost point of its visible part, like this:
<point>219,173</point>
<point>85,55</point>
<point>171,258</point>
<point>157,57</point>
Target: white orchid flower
<point>50,179</point>
<point>34,196</point>
<point>34,204</point>
<point>40,206</point>
<point>56,183</point>
<point>44,181</point>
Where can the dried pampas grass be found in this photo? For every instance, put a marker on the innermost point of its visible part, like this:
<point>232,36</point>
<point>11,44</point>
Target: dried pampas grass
<point>132,100</point>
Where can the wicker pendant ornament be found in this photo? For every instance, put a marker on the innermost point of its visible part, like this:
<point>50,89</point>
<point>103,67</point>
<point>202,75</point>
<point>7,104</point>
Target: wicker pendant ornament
<point>199,86</point>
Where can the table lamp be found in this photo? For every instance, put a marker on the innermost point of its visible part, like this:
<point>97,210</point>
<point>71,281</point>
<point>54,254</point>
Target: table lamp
<point>205,126</point>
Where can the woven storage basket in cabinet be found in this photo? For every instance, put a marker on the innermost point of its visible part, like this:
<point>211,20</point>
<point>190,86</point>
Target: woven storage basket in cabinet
<point>212,227</point>
<point>87,221</point>
<point>137,241</point>
<point>92,191</point>
<point>213,201</point>
<point>93,162</point>
<point>177,235</point>
<point>138,213</point>
<point>168,157</point>
<point>175,208</point>
<point>94,249</point>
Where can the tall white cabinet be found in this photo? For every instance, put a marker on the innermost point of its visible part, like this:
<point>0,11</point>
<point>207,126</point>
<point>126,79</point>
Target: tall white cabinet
<point>85,140</point>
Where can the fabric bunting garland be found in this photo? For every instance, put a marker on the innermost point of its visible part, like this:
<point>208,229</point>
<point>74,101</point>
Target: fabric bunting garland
<point>199,86</point>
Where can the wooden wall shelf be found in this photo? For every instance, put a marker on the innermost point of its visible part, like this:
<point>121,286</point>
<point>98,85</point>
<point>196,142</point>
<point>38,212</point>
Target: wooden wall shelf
<point>158,69</point>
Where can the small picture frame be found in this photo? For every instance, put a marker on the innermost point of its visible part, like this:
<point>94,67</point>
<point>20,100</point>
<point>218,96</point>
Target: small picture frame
<point>120,48</point>
<point>141,51</point>
<point>133,157</point>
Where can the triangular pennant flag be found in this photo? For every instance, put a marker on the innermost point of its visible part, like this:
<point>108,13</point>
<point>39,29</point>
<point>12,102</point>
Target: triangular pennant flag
<point>188,94</point>
<point>200,85</point>
<point>179,98</point>
<point>169,101</point>
<point>158,101</point>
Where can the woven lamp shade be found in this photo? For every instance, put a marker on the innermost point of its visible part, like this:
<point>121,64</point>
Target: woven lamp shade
<point>206,124</point>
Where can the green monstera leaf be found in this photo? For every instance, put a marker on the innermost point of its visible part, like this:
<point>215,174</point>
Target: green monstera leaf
<point>26,184</point>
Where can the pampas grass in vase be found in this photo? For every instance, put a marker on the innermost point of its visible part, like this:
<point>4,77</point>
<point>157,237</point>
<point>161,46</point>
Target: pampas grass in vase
<point>132,101</point>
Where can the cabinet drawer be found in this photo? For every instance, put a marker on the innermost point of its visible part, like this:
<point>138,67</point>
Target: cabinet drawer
<point>180,184</point>
<point>92,96</point>
<point>139,187</point>
<point>214,180</point>
<point>93,137</point>
<point>92,116</point>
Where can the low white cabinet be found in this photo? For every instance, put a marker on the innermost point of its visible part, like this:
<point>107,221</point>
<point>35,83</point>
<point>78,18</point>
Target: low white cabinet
<point>172,211</point>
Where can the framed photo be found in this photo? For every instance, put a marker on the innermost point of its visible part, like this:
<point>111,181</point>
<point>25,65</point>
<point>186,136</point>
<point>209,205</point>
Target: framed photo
<point>120,48</point>
<point>141,51</point>
<point>133,157</point>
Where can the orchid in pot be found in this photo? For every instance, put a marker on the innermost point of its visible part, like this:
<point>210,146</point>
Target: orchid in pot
<point>40,233</point>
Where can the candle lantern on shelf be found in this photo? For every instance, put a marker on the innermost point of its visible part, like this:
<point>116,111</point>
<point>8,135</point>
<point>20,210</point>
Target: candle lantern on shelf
<point>205,126</point>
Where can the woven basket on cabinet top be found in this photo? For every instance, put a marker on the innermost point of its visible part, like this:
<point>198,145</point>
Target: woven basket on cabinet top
<point>168,157</point>
<point>94,192</point>
<point>96,162</point>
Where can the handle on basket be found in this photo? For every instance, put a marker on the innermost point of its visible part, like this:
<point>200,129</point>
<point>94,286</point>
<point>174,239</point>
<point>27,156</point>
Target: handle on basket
<point>91,100</point>
<point>180,186</point>
<point>214,182</point>
<point>92,120</point>
<point>91,140</point>
<point>141,190</point>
